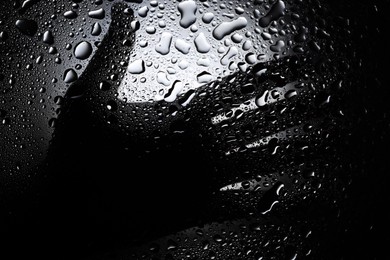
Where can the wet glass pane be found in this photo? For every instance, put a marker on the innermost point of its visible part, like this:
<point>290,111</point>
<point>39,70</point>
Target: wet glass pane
<point>188,129</point>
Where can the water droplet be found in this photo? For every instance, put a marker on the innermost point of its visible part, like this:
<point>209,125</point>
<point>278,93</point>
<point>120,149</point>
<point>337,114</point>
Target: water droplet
<point>202,44</point>
<point>70,76</point>
<point>262,100</point>
<point>112,105</point>
<point>162,24</point>
<point>162,78</point>
<point>247,45</point>
<point>48,37</point>
<point>233,51</point>
<point>237,38</point>
<point>205,62</point>
<point>250,58</point>
<point>278,46</point>
<point>52,122</point>
<point>143,43</point>
<point>164,45</point>
<point>3,36</point>
<point>52,50</point>
<point>291,93</point>
<point>266,36</point>
<point>137,67</point>
<point>39,59</point>
<point>207,17</point>
<point>83,50</point>
<point>239,10</point>
<point>276,11</point>
<point>270,198</point>
<point>150,29</point>
<point>182,46</point>
<point>187,10</point>
<point>97,14</point>
<point>96,29</point>
<point>227,28</point>
<point>143,11</point>
<point>183,64</point>
<point>172,245</point>
<point>174,91</point>
<point>27,27</point>
<point>104,85</point>
<point>204,77</point>
<point>70,14</point>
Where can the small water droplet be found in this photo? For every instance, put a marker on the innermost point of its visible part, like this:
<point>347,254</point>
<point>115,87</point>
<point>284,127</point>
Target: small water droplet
<point>104,85</point>
<point>112,105</point>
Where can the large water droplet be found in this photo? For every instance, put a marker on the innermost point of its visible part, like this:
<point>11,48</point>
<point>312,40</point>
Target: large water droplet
<point>143,11</point>
<point>183,64</point>
<point>97,14</point>
<point>187,10</point>
<point>204,77</point>
<point>96,29</point>
<point>207,17</point>
<point>150,29</point>
<point>136,67</point>
<point>174,91</point>
<point>27,27</point>
<point>3,36</point>
<point>276,11</point>
<point>162,78</point>
<point>83,50</point>
<point>270,198</point>
<point>233,51</point>
<point>164,45</point>
<point>70,76</point>
<point>182,46</point>
<point>70,14</point>
<point>247,45</point>
<point>226,28</point>
<point>278,46</point>
<point>202,44</point>
<point>48,37</point>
